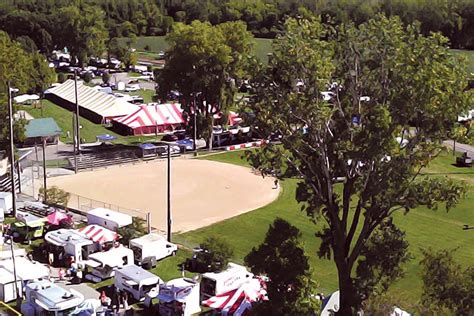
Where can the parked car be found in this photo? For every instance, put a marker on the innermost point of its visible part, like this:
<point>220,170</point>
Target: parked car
<point>170,138</point>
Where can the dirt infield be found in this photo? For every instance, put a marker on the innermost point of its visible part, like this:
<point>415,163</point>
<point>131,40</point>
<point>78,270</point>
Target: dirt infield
<point>203,192</point>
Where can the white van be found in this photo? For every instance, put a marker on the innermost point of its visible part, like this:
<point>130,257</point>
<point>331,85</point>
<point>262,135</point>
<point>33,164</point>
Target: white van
<point>109,219</point>
<point>104,264</point>
<point>213,284</point>
<point>6,202</point>
<point>150,248</point>
<point>136,281</point>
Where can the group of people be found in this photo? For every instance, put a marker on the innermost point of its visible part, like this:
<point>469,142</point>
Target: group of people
<point>118,300</point>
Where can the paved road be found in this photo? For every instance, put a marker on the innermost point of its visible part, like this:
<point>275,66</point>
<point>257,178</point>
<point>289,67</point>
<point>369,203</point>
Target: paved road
<point>125,77</point>
<point>461,148</point>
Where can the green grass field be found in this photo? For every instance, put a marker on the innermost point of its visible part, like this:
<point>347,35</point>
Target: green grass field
<point>424,228</point>
<point>469,55</point>
<point>262,47</point>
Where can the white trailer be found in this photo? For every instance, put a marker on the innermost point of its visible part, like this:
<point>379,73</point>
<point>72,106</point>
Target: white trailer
<point>72,243</point>
<point>150,248</point>
<point>7,286</point>
<point>213,284</point>
<point>136,281</point>
<point>47,298</point>
<point>108,218</point>
<point>104,264</point>
<point>6,204</point>
<point>179,297</point>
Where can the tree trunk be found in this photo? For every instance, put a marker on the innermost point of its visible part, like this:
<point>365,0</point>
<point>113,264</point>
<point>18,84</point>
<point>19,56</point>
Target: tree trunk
<point>347,295</point>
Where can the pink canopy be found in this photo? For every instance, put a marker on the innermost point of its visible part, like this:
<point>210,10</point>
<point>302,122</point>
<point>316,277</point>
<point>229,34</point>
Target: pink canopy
<point>238,302</point>
<point>98,233</point>
<point>57,217</point>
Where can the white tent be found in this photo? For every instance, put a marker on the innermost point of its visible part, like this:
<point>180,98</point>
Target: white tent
<point>105,106</point>
<point>25,98</point>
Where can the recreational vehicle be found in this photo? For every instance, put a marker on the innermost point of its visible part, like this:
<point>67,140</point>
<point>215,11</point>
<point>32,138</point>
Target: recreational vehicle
<point>179,297</point>
<point>213,284</point>
<point>105,263</point>
<point>6,203</point>
<point>47,298</point>
<point>108,218</point>
<point>71,243</point>
<point>150,248</point>
<point>136,281</point>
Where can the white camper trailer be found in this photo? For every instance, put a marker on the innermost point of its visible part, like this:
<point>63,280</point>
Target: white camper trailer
<point>7,286</point>
<point>105,263</point>
<point>108,218</point>
<point>213,284</point>
<point>47,298</point>
<point>72,243</point>
<point>179,297</point>
<point>150,248</point>
<point>136,281</point>
<point>6,204</point>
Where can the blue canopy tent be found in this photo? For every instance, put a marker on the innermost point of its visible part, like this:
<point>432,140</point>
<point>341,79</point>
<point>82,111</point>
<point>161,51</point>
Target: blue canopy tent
<point>149,151</point>
<point>105,138</point>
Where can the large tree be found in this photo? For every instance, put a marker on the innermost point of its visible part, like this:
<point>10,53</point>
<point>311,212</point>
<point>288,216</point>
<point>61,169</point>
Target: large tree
<point>205,59</point>
<point>359,153</point>
<point>281,258</point>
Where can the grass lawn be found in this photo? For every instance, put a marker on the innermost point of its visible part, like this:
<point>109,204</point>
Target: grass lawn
<point>469,55</point>
<point>89,130</point>
<point>424,228</point>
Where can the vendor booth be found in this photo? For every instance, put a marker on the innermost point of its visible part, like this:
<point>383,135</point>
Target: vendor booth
<point>149,151</point>
<point>28,226</point>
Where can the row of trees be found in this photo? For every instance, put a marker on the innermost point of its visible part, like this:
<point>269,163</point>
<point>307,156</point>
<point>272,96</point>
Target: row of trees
<point>40,21</point>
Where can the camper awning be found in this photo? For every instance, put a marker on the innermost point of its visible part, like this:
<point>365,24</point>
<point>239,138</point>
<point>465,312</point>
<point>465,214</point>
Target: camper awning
<point>153,115</point>
<point>98,233</point>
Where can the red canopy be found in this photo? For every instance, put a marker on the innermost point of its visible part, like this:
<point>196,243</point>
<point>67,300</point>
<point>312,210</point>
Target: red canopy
<point>98,233</point>
<point>57,217</point>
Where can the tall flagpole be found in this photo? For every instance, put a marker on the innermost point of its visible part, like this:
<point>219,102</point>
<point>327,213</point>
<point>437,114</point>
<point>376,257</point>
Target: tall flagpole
<point>12,149</point>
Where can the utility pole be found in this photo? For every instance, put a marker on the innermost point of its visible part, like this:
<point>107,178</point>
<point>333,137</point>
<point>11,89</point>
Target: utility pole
<point>78,129</point>
<point>12,149</point>
<point>45,197</point>
<point>169,193</point>
<point>195,125</point>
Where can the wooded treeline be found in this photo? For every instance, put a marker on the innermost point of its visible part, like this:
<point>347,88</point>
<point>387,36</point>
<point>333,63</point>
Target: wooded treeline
<point>40,23</point>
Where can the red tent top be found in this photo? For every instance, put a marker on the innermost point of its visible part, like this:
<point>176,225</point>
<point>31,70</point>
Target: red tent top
<point>152,115</point>
<point>98,233</point>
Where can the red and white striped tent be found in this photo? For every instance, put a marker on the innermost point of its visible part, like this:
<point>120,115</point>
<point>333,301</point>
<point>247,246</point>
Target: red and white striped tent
<point>98,233</point>
<point>151,118</point>
<point>239,302</point>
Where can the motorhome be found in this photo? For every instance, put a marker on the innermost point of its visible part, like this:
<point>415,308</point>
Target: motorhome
<point>47,298</point>
<point>179,297</point>
<point>6,203</point>
<point>71,243</point>
<point>136,281</point>
<point>108,218</point>
<point>213,283</point>
<point>150,248</point>
<point>104,264</point>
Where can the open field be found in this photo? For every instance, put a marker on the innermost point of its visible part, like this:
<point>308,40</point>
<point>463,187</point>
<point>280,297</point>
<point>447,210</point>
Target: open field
<point>424,228</point>
<point>263,46</point>
<point>157,44</point>
<point>203,192</point>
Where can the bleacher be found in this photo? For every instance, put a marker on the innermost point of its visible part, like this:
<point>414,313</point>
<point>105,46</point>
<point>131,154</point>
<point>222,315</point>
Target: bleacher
<point>105,157</point>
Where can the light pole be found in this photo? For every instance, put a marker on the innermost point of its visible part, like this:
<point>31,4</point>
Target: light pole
<point>77,134</point>
<point>168,193</point>
<point>12,149</point>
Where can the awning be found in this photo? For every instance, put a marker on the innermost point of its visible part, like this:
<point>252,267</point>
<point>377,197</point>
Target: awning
<point>98,233</point>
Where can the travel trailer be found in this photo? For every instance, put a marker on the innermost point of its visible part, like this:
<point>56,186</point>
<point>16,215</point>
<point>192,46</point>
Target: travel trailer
<point>150,248</point>
<point>6,203</point>
<point>136,281</point>
<point>71,243</point>
<point>179,297</point>
<point>213,284</point>
<point>104,264</point>
<point>47,298</point>
<point>108,218</point>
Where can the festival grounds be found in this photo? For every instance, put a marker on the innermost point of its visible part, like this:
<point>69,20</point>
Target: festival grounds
<point>202,192</point>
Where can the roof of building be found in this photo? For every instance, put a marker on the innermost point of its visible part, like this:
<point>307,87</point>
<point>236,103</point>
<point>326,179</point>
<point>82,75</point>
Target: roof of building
<point>117,217</point>
<point>137,274</point>
<point>103,104</point>
<point>42,127</point>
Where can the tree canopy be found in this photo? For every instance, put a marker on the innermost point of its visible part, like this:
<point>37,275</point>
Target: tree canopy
<point>361,110</point>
